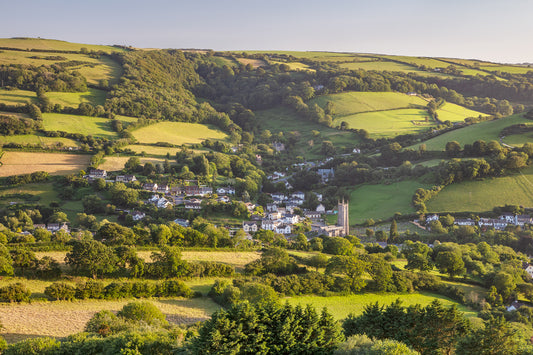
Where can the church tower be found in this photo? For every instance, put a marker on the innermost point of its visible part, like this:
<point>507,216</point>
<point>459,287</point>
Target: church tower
<point>343,217</point>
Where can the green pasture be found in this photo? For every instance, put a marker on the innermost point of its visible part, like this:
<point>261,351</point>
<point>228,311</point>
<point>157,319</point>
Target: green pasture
<point>177,133</point>
<point>511,69</point>
<point>382,201</point>
<point>348,103</point>
<point>52,44</point>
<point>38,139</point>
<point>295,65</point>
<point>17,97</point>
<point>153,150</point>
<point>384,124</point>
<point>518,140</point>
<point>483,195</point>
<point>44,191</point>
<point>284,120</point>
<point>428,62</point>
<point>106,69</point>
<point>95,126</point>
<point>341,306</point>
<point>455,113</point>
<point>487,131</point>
<point>321,56</point>
<point>73,99</point>
<point>380,65</point>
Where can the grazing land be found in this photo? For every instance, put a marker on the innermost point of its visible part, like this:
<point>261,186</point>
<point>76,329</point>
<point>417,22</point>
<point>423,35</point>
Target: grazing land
<point>177,133</point>
<point>16,163</point>
<point>518,140</point>
<point>349,103</point>
<point>52,44</point>
<point>63,318</point>
<point>383,124</point>
<point>486,131</point>
<point>472,196</point>
<point>73,99</point>
<point>455,113</point>
<point>17,97</point>
<point>284,120</point>
<point>256,63</point>
<point>38,139</point>
<point>341,306</point>
<point>95,126</point>
<point>44,192</point>
<point>382,201</point>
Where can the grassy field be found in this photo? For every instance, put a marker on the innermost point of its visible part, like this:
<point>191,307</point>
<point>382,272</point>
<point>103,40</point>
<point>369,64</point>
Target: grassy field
<point>15,163</point>
<point>518,140</point>
<point>63,318</point>
<point>153,150</point>
<point>95,126</point>
<point>479,196</point>
<point>44,191</point>
<point>52,44</point>
<point>73,99</point>
<point>256,63</point>
<point>382,201</point>
<point>296,65</point>
<point>380,65</point>
<point>349,103</point>
<point>37,139</point>
<point>321,56</point>
<point>382,124</point>
<point>17,97</point>
<point>177,133</point>
<point>341,306</point>
<point>284,120</point>
<point>487,131</point>
<point>455,113</point>
<point>116,163</point>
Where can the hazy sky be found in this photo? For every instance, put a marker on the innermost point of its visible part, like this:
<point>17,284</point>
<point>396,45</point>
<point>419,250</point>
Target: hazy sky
<point>498,30</point>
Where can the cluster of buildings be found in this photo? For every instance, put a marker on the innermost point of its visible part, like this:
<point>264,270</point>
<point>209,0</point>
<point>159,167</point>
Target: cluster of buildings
<point>499,223</point>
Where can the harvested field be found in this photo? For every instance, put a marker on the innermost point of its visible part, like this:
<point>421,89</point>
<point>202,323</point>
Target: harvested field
<point>63,318</point>
<point>254,62</point>
<point>16,163</point>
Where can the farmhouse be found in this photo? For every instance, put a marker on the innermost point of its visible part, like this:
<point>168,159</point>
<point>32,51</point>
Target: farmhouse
<point>54,227</point>
<point>137,215</point>
<point>249,226</point>
<point>97,173</point>
<point>125,178</point>
<point>150,186</point>
<point>194,204</point>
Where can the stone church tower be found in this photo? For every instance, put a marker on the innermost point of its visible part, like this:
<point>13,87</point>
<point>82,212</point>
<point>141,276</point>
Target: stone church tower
<point>343,217</point>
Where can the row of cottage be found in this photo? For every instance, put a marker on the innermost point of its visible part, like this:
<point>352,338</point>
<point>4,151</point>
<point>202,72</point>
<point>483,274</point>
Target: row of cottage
<point>281,220</point>
<point>499,223</point>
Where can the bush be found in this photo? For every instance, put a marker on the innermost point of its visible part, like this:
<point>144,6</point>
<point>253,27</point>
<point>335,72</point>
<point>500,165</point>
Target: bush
<point>105,323</point>
<point>90,289</point>
<point>172,288</point>
<point>143,312</point>
<point>60,291</point>
<point>40,346</point>
<point>16,292</point>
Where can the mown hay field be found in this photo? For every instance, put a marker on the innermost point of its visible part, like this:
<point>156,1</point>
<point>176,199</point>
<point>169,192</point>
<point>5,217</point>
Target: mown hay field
<point>17,97</point>
<point>177,133</point>
<point>37,139</point>
<point>455,113</point>
<point>115,163</point>
<point>63,318</point>
<point>483,195</point>
<point>16,163</point>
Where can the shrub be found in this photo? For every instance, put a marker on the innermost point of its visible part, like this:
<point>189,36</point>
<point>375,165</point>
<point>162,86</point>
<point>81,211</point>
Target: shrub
<point>60,291</point>
<point>105,323</point>
<point>90,289</point>
<point>172,288</point>
<point>143,312</point>
<point>32,346</point>
<point>16,292</point>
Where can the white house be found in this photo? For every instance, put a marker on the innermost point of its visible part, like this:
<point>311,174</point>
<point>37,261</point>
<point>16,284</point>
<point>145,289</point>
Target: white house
<point>150,186</point>
<point>226,190</point>
<point>268,224</point>
<point>433,217</point>
<point>320,208</point>
<point>271,207</point>
<point>194,204</point>
<point>97,173</point>
<point>299,195</point>
<point>137,215</point>
<point>529,269</point>
<point>283,229</point>
<point>126,178</point>
<point>249,226</point>
<point>291,218</point>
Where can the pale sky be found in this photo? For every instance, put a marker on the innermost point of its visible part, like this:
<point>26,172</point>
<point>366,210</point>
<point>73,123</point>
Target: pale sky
<point>496,30</point>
